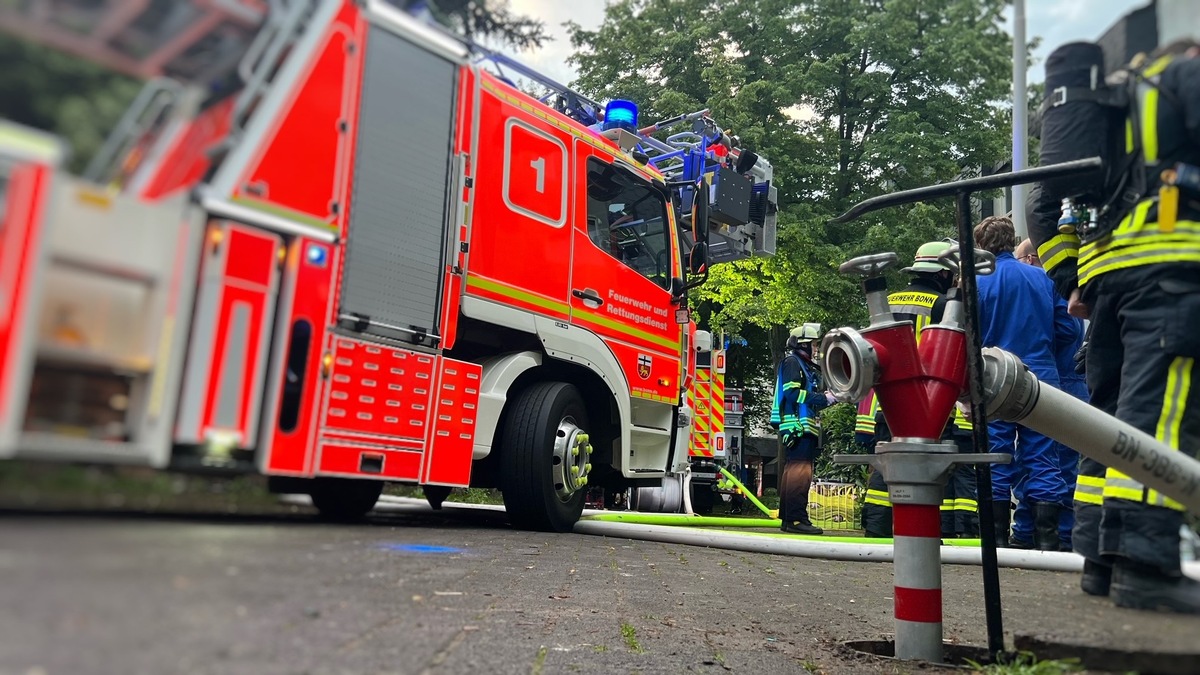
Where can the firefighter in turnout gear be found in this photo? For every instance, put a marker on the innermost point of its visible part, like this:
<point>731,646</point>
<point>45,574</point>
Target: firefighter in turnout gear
<point>923,302</point>
<point>794,414</point>
<point>1137,277</point>
<point>871,428</point>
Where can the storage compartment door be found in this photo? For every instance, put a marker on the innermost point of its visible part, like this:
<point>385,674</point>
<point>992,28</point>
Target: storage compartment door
<point>227,357</point>
<point>395,249</point>
<point>23,190</point>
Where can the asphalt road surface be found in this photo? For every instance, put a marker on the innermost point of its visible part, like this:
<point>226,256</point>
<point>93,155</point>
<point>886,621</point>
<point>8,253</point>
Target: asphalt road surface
<point>461,592</point>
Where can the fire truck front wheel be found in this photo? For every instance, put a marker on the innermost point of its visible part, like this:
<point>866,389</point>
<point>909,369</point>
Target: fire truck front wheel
<point>345,499</point>
<point>545,457</point>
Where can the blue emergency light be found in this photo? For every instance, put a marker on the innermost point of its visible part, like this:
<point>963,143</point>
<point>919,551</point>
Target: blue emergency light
<point>317,255</point>
<point>621,114</point>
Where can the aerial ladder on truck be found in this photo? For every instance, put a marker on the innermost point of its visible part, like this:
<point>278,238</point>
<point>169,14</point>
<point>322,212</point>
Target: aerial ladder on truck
<point>335,246</point>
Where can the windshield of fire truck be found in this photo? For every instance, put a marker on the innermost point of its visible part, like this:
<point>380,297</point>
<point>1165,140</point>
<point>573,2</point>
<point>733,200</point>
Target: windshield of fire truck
<point>627,218</point>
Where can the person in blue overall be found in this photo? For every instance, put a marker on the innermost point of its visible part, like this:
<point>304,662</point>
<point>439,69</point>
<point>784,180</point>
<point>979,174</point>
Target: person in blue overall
<point>1072,381</point>
<point>1019,313</point>
<point>794,414</point>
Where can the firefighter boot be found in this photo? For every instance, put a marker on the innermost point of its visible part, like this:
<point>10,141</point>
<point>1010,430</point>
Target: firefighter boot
<point>1045,526</point>
<point>1001,511</point>
<point>802,524</point>
<point>1096,579</point>
<point>1137,586</point>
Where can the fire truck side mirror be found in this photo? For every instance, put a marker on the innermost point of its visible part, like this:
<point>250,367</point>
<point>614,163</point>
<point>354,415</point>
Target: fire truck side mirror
<point>698,257</point>
<point>678,287</point>
<point>700,212</point>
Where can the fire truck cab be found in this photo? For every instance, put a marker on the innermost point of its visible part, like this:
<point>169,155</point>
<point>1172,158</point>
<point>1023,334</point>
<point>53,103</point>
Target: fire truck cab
<point>336,246</point>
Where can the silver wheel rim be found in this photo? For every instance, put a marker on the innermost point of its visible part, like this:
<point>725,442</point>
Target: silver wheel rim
<point>572,459</point>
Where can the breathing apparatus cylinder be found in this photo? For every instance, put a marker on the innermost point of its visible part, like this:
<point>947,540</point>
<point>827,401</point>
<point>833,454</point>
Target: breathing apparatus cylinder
<point>1077,126</point>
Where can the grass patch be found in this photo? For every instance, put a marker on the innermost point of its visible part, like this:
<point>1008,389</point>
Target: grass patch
<point>66,486</point>
<point>629,633</point>
<point>539,661</point>
<point>463,496</point>
<point>1025,663</point>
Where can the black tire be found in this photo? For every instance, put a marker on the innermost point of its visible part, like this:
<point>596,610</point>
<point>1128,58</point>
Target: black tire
<point>703,498</point>
<point>533,498</point>
<point>436,494</point>
<point>345,499</point>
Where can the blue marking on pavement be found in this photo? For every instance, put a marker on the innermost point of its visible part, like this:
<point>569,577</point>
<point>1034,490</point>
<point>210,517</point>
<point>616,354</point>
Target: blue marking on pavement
<point>421,548</point>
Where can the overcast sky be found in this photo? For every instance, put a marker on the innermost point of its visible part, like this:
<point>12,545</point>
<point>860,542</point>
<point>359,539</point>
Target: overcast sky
<point>1055,21</point>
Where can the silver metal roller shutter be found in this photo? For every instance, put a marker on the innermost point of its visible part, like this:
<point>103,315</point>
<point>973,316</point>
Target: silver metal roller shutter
<point>392,281</point>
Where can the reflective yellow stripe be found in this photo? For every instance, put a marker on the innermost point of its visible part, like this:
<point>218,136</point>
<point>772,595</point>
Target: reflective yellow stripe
<point>878,497</point>
<point>1136,242</point>
<point>1119,486</point>
<point>1149,115</point>
<point>1179,385</point>
<point>1089,489</point>
<point>1156,498</point>
<point>947,505</point>
<point>1058,249</point>
<point>1179,382</point>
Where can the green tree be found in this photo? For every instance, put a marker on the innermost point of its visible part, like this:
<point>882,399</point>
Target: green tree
<point>488,18</point>
<point>847,98</point>
<point>46,89</point>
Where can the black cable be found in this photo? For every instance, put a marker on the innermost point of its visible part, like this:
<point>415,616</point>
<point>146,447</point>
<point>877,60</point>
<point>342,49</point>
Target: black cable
<point>979,431</point>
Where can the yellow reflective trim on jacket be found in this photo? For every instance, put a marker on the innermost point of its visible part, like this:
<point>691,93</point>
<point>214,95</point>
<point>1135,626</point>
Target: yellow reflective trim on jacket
<point>878,498</point>
<point>1136,242</point>
<point>1059,248</point>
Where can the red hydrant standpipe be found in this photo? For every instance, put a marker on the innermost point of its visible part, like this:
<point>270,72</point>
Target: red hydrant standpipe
<point>917,390</point>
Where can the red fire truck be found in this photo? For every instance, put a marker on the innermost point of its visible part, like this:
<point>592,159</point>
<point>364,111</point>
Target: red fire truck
<point>334,245</point>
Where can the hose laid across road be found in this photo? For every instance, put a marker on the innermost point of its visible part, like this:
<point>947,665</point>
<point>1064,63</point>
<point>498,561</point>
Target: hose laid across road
<point>603,523</point>
<point>828,548</point>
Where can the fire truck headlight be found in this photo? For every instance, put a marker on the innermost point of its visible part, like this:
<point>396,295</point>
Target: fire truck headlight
<point>316,255</point>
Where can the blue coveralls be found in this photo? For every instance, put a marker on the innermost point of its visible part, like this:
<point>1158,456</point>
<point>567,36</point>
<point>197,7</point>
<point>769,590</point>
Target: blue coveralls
<point>1074,384</point>
<point>1020,312</point>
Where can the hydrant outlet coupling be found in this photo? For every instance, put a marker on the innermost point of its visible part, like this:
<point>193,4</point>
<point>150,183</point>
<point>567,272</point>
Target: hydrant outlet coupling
<point>851,364</point>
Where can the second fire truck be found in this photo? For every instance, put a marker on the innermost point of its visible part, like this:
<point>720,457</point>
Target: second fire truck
<point>335,246</point>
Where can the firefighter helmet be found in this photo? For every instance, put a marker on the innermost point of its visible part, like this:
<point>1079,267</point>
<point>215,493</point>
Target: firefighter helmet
<point>928,258</point>
<point>806,332</point>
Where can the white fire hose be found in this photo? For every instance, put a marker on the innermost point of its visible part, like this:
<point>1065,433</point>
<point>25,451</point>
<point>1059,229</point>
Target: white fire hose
<point>1014,394</point>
